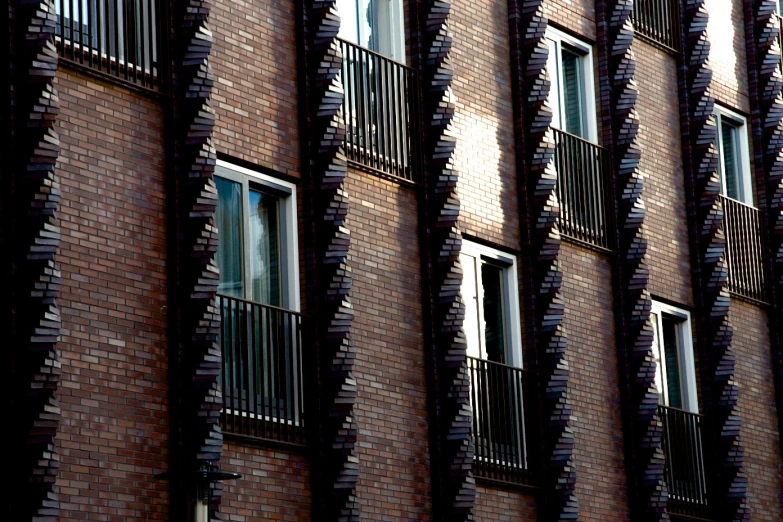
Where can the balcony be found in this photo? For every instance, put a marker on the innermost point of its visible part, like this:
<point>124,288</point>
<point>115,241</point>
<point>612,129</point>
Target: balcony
<point>586,207</point>
<point>114,37</point>
<point>745,250</point>
<point>262,378</point>
<point>381,113</point>
<point>658,20</point>
<point>498,427</point>
<point>684,472</point>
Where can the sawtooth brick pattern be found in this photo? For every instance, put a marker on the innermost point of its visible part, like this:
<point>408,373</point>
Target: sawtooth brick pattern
<point>458,496</point>
<point>535,141</point>
<point>759,433</point>
<point>391,409</point>
<point>115,426</point>
<point>502,505</point>
<point>37,277</point>
<point>595,391</point>
<point>728,58</point>
<point>256,92</point>
<point>275,485</point>
<point>483,122</point>
<point>729,486</point>
<point>661,164</point>
<point>340,463</point>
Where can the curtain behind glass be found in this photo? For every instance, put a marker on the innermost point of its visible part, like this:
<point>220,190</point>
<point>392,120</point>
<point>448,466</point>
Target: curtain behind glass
<point>228,218</point>
<point>264,249</point>
<point>730,157</point>
<point>494,334</point>
<point>671,348</point>
<point>572,94</point>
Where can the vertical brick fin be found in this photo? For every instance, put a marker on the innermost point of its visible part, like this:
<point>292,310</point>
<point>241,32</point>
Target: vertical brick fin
<point>768,134</point>
<point>646,446</point>
<point>459,486</point>
<point>38,317</point>
<point>200,352</point>
<point>329,167</point>
<point>544,209</point>
<point>729,488</point>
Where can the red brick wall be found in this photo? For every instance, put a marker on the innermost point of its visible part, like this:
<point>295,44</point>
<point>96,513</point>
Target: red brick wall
<point>391,411</point>
<point>114,431</point>
<point>594,387</point>
<point>500,505</point>
<point>664,184</point>
<point>484,122</point>
<point>578,16</point>
<point>256,92</point>
<point>728,59</point>
<point>275,485</point>
<point>759,435</point>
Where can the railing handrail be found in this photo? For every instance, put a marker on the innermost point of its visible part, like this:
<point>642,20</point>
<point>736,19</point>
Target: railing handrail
<point>733,201</point>
<point>499,364</point>
<point>680,410</point>
<point>375,53</point>
<point>256,303</point>
<point>574,136</point>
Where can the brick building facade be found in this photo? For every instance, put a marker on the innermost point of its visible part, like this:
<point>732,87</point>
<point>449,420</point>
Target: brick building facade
<point>394,260</point>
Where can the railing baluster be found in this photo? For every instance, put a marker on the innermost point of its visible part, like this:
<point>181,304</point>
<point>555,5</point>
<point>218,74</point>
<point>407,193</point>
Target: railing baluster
<point>745,252</point>
<point>658,20</point>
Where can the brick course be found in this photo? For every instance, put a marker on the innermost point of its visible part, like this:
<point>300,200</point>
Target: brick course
<point>500,505</point>
<point>388,328</point>
<point>114,430</point>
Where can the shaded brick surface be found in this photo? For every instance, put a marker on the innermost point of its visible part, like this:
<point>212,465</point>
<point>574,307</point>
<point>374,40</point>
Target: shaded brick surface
<point>391,410</point>
<point>255,93</point>
<point>502,505</point>
<point>759,434</point>
<point>114,431</point>
<point>661,164</point>
<point>595,391</point>
<point>275,485</point>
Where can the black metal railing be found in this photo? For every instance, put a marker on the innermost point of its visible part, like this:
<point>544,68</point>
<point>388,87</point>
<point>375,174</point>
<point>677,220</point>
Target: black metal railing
<point>745,249</point>
<point>262,378</point>
<point>380,109</point>
<point>658,20</point>
<point>685,474</point>
<point>498,426</point>
<point>583,189</point>
<point>116,37</point>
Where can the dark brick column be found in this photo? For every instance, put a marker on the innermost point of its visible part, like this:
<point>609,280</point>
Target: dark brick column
<point>535,149</point>
<point>339,466</point>
<point>37,237</point>
<point>728,487</point>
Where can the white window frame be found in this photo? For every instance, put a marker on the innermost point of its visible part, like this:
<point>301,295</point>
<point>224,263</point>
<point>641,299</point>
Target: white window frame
<point>289,246</point>
<point>508,263</point>
<point>745,174</point>
<point>557,40</point>
<point>685,353</point>
<point>392,39</point>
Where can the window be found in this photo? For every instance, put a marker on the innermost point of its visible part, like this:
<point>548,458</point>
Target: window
<point>258,297</point>
<point>675,375</point>
<point>117,36</point>
<point>734,164</point>
<point>571,96</point>
<point>675,382</point>
<point>257,226</point>
<point>491,325</point>
<point>374,24</point>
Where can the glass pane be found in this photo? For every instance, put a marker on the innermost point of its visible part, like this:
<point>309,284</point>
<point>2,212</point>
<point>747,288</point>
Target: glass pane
<point>469,291</point>
<point>494,332</point>
<point>671,345</point>
<point>228,218</point>
<point>349,25</point>
<point>657,354</point>
<point>572,93</point>
<point>264,249</point>
<point>729,135</point>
